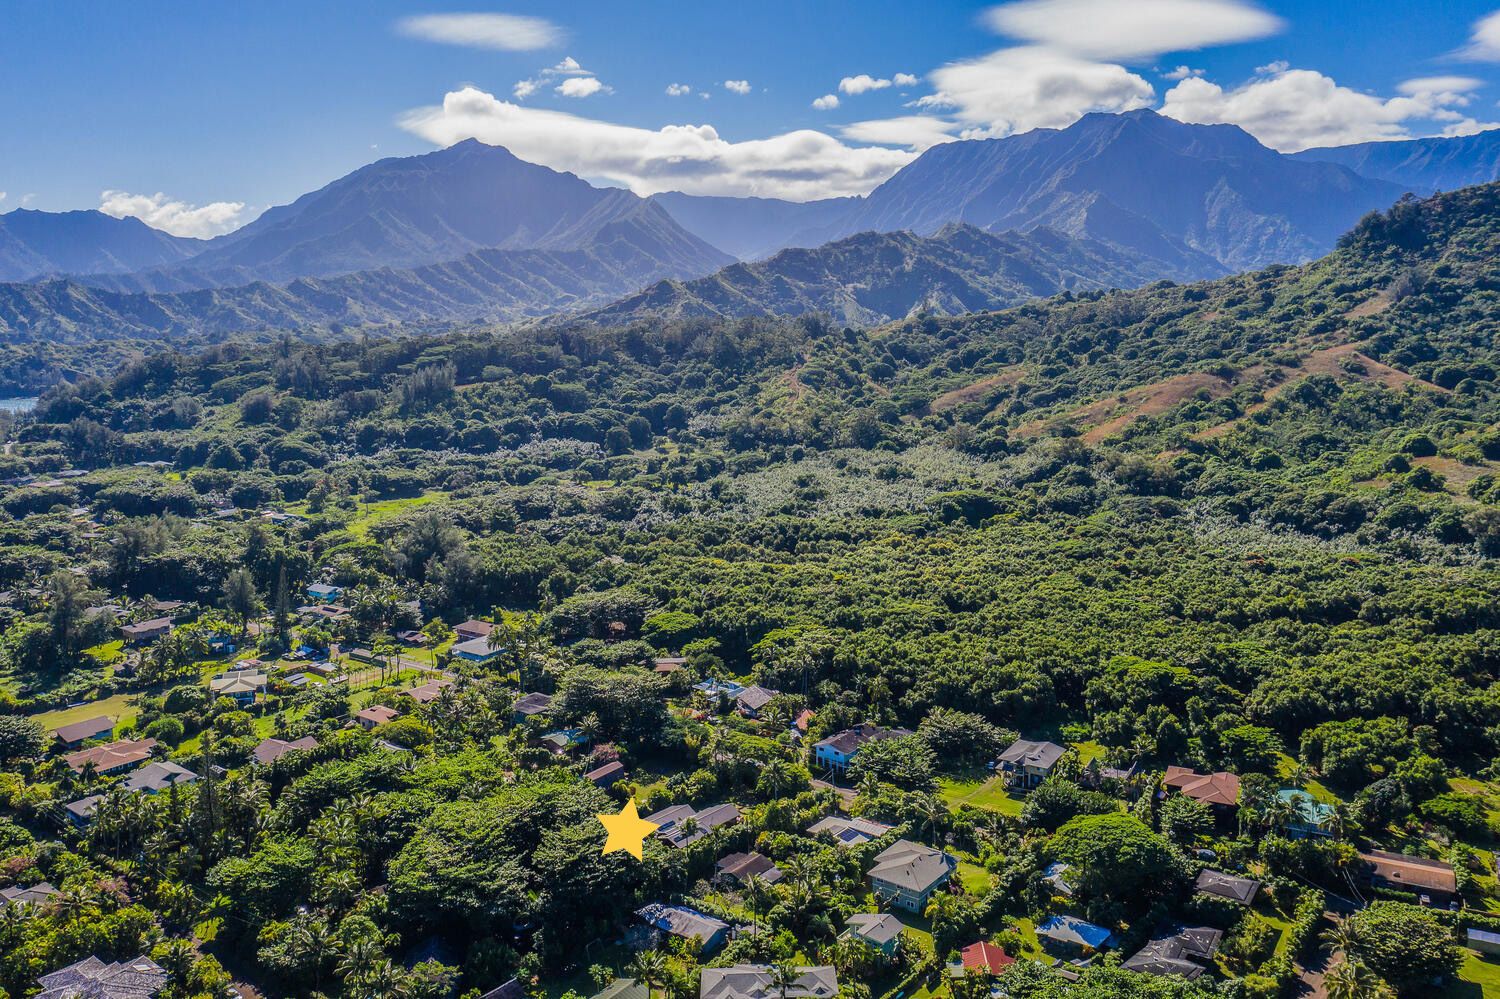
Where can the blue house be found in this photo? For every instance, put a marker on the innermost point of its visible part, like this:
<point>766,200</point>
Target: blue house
<point>835,753</point>
<point>1069,933</point>
<point>1307,816</point>
<point>324,593</point>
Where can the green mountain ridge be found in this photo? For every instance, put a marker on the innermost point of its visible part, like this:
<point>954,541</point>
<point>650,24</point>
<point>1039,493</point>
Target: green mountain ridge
<point>872,277</point>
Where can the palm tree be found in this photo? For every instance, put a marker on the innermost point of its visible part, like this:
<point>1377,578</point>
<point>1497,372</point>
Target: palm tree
<point>784,977</point>
<point>359,959</point>
<point>757,893</point>
<point>1352,980</point>
<point>649,967</point>
<point>1342,938</point>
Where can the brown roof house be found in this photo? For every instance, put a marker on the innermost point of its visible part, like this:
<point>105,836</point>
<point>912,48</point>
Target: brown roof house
<point>146,631</point>
<point>1220,791</point>
<point>741,867</point>
<point>74,735</point>
<point>113,757</point>
<point>1431,880</point>
<point>376,714</point>
<point>270,750</point>
<point>473,629</point>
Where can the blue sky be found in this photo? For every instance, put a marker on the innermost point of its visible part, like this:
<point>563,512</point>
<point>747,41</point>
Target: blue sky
<point>198,117</point>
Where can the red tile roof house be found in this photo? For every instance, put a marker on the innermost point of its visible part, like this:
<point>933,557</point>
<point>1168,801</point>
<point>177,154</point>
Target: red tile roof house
<point>985,958</point>
<point>112,758</point>
<point>1220,791</point>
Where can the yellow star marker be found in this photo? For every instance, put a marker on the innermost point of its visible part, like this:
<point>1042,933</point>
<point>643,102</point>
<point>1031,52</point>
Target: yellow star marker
<point>627,830</point>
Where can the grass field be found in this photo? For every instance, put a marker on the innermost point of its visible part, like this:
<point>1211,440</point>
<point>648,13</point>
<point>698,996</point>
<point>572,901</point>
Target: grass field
<point>1477,979</point>
<point>115,707</point>
<point>989,793</point>
<point>975,879</point>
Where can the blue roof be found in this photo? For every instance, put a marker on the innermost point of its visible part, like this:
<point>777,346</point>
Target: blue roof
<point>1073,928</point>
<point>1310,811</point>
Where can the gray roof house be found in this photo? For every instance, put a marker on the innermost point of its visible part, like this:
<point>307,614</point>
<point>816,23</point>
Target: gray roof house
<point>751,700</point>
<point>880,930</point>
<point>1241,890</point>
<point>671,820</point>
<point>906,874</point>
<point>269,750</point>
<point>1027,763</point>
<point>753,981</point>
<point>74,735</point>
<point>91,978</point>
<point>1185,952</point>
<point>848,832</point>
<point>35,895</point>
<point>690,924</point>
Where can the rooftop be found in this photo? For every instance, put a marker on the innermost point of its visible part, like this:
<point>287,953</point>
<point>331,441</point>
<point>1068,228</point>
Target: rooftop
<point>754,981</point>
<point>912,865</point>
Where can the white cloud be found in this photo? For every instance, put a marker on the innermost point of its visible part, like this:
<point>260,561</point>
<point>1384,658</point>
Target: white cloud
<point>1273,68</point>
<point>737,86</point>
<point>916,131</point>
<point>1140,29</point>
<point>2,195</point>
<point>1450,89</point>
<point>800,165</point>
<point>904,80</point>
<point>568,67</point>
<point>1181,73</point>
<point>27,199</point>
<point>506,32</point>
<point>1484,43</point>
<point>678,90</point>
<point>827,102</point>
<point>1018,89</point>
<point>864,82</point>
<point>1298,108</point>
<point>581,86</point>
<point>525,88</point>
<point>176,217</point>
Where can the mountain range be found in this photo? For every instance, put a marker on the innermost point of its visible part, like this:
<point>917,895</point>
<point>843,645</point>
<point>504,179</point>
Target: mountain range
<point>1422,165</point>
<point>871,278</point>
<point>472,233</point>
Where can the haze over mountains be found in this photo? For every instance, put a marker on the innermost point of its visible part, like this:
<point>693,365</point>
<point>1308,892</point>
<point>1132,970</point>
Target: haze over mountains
<point>472,233</point>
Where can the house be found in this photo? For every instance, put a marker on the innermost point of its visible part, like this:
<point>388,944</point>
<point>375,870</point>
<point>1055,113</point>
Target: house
<point>1306,815</point>
<point>1056,875</point>
<point>689,924</point>
<point>1483,941</point>
<point>622,988</point>
<point>755,981</point>
<point>146,631</point>
<point>668,665</point>
<point>37,894</point>
<point>1220,791</point>
<point>411,637</point>
<point>91,978</point>
<point>529,706</point>
<point>111,758</point>
<point>1226,886</point>
<point>240,685</point>
<point>1184,952</point>
<point>671,822</point>
<point>324,593</point>
<point>324,612</point>
<point>429,691</point>
<point>74,735</point>
<point>563,739</point>
<point>835,753</point>
<point>713,690</point>
<point>906,874</point>
<point>880,930</point>
<point>512,989</point>
<point>849,832</point>
<point>1026,764</point>
<point>741,867</point>
<point>984,958</point>
<point>476,650</point>
<point>471,629</point>
<point>271,750</point>
<point>607,775</point>
<point>153,778</point>
<point>752,700</point>
<point>375,715</point>
<point>1431,880</point>
<point>1074,935</point>
<point>803,720</point>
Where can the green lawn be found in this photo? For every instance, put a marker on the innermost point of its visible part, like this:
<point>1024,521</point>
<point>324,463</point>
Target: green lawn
<point>115,707</point>
<point>975,879</point>
<point>989,793</point>
<point>1477,979</point>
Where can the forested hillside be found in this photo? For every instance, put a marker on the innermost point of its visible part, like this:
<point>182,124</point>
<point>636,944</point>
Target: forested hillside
<point>1247,524</point>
